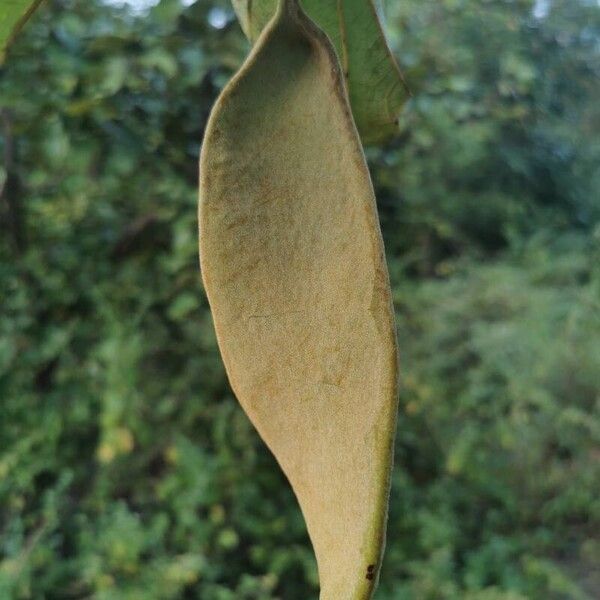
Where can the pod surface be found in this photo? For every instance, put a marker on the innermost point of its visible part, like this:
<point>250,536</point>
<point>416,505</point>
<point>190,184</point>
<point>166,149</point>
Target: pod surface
<point>293,265</point>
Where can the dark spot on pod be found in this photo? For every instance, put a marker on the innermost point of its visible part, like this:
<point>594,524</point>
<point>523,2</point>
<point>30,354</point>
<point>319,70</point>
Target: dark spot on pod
<point>370,573</point>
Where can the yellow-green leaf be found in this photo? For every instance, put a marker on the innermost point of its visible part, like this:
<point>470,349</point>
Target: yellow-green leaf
<point>293,264</point>
<point>377,91</point>
<point>13,15</point>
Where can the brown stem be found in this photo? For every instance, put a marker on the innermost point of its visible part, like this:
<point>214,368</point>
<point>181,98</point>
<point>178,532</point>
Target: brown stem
<point>10,191</point>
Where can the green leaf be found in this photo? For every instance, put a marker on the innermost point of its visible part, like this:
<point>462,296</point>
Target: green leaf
<point>13,14</point>
<point>375,86</point>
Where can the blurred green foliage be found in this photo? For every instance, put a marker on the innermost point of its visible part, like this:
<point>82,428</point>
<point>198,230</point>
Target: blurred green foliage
<point>127,468</point>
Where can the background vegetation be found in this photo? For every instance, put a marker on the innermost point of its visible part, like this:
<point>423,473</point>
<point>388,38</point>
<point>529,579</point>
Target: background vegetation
<point>128,470</point>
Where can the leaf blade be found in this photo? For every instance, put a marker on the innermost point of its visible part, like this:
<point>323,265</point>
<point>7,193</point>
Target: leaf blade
<point>375,85</point>
<point>13,15</point>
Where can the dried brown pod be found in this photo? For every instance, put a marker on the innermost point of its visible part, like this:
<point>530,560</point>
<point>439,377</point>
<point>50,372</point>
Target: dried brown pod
<point>293,264</point>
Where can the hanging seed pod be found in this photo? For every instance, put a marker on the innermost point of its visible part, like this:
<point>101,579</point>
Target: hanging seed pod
<point>293,264</point>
